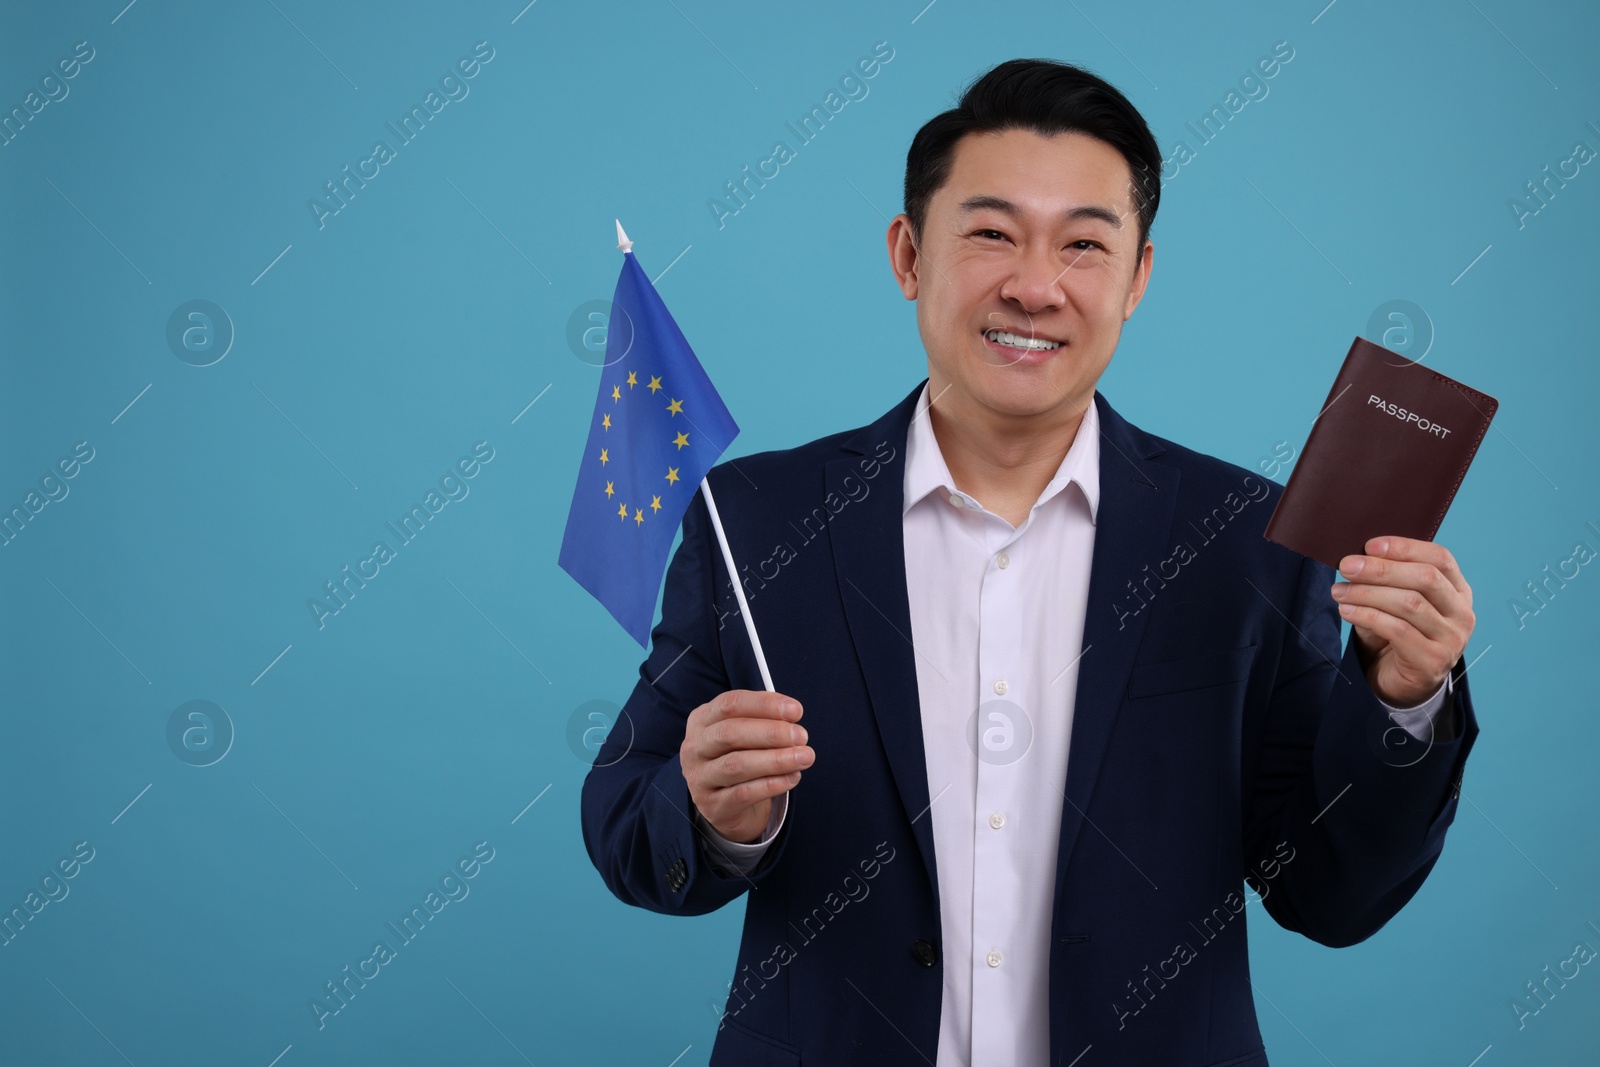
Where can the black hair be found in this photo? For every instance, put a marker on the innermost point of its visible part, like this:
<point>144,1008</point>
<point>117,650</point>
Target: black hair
<point>1047,98</point>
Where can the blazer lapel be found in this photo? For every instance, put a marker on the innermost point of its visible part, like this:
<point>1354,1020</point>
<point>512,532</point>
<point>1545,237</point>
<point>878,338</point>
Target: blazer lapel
<point>1132,528</point>
<point>869,560</point>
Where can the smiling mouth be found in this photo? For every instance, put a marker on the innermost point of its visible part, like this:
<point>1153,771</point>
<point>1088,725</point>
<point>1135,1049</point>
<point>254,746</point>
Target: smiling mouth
<point>1007,339</point>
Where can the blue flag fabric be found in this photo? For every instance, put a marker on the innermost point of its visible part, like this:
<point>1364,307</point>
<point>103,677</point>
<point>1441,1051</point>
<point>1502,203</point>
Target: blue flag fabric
<point>658,427</point>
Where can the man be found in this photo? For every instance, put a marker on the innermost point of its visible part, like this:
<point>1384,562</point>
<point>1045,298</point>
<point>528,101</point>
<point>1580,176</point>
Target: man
<point>1062,700</point>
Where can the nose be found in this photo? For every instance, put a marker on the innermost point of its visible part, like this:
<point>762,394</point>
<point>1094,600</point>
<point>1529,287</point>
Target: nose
<point>1035,280</point>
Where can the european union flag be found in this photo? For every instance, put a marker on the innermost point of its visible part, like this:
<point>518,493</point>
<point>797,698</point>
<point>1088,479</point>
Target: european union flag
<point>658,427</point>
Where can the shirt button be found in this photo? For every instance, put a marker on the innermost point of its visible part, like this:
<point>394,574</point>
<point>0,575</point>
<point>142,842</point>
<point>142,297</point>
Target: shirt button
<point>1004,560</point>
<point>997,820</point>
<point>993,958</point>
<point>955,500</point>
<point>1001,686</point>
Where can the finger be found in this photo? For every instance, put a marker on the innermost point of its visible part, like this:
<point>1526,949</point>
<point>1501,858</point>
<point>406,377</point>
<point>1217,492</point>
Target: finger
<point>745,794</point>
<point>1407,604</point>
<point>752,703</point>
<point>1425,578</point>
<point>754,764</point>
<point>733,735</point>
<point>1391,629</point>
<point>1411,549</point>
<point>1414,654</point>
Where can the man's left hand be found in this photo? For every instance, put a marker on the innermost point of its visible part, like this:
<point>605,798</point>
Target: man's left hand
<point>1411,609</point>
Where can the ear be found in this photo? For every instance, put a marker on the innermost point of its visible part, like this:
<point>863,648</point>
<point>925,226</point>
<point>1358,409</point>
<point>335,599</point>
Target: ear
<point>903,257</point>
<point>1141,279</point>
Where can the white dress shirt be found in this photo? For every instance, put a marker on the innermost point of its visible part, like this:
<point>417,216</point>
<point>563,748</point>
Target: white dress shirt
<point>993,609</point>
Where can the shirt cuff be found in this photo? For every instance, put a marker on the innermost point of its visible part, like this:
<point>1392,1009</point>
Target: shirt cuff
<point>1421,720</point>
<point>739,857</point>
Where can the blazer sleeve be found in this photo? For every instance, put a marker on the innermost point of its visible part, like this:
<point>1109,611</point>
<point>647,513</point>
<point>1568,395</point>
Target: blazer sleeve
<point>635,803</point>
<point>1344,811</point>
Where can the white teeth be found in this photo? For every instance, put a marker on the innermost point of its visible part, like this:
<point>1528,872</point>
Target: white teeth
<point>1005,337</point>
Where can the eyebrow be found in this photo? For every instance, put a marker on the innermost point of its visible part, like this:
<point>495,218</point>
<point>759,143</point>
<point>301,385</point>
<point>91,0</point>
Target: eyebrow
<point>1083,211</point>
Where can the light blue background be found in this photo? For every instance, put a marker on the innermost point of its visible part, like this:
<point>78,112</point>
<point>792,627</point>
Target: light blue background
<point>428,314</point>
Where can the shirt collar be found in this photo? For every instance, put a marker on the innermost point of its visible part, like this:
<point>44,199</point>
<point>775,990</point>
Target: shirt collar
<point>927,471</point>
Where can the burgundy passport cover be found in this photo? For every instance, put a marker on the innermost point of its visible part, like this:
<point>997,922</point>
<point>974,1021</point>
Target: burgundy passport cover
<point>1385,456</point>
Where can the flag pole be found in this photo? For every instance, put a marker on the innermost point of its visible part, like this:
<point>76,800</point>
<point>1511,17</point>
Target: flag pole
<point>626,247</point>
<point>738,586</point>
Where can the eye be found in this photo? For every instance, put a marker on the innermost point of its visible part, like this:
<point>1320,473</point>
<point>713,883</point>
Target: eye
<point>1087,241</point>
<point>986,232</point>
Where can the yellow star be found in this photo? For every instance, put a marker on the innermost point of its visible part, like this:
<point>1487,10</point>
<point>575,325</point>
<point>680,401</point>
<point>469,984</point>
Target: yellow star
<point>622,510</point>
<point>606,421</point>
<point>616,392</point>
<point>681,440</point>
<point>655,503</point>
<point>675,407</point>
<point>638,516</point>
<point>604,457</point>
<point>610,491</point>
<point>655,384</point>
<point>672,475</point>
<point>633,379</point>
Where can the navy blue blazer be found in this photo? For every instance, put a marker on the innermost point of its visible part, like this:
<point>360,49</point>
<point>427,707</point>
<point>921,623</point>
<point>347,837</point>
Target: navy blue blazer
<point>1220,738</point>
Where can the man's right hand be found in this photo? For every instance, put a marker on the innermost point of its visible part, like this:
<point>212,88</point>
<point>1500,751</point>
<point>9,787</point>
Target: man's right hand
<point>739,751</point>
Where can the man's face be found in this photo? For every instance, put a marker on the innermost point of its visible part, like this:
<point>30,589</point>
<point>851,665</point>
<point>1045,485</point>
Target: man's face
<point>1012,243</point>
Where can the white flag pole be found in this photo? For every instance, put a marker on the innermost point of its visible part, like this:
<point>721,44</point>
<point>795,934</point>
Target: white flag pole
<point>738,586</point>
<point>626,246</point>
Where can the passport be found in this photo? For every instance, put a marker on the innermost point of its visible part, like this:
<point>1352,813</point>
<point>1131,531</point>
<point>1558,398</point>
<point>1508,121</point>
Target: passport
<point>1385,456</point>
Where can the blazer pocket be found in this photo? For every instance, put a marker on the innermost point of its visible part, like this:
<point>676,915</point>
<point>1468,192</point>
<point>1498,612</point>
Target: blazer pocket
<point>1259,1056</point>
<point>1190,673</point>
<point>739,1046</point>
